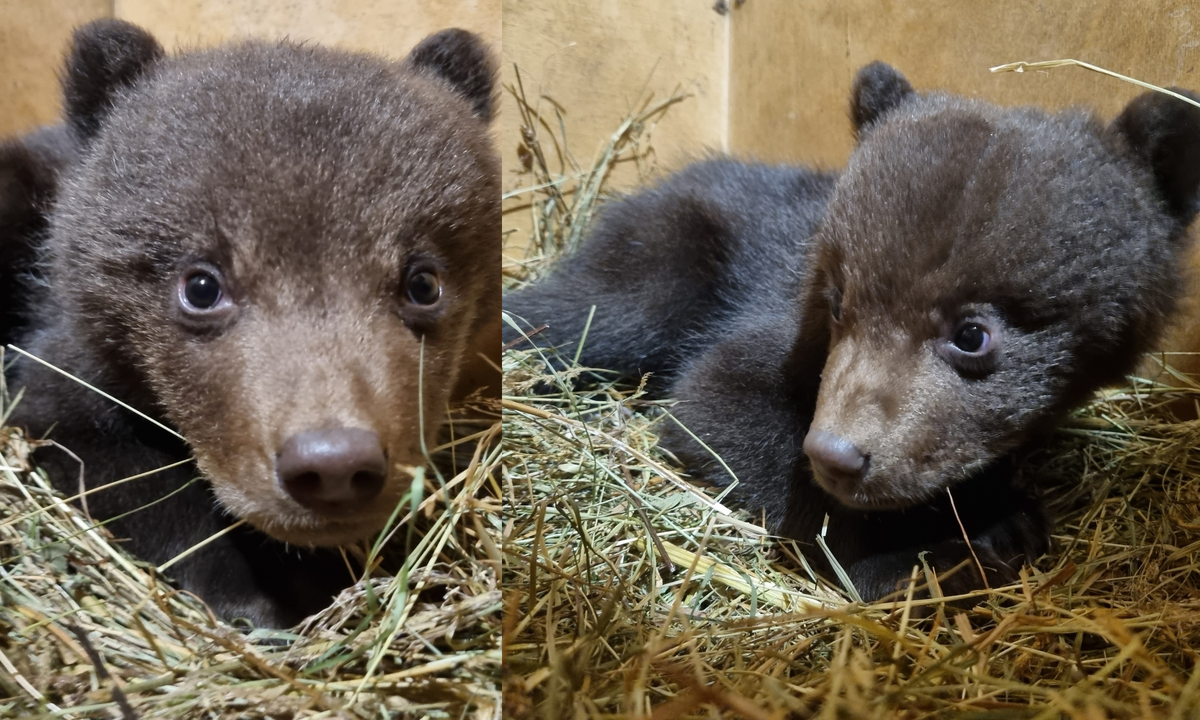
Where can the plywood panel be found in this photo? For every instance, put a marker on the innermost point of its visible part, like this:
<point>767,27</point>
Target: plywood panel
<point>388,27</point>
<point>33,38</point>
<point>34,35</point>
<point>792,61</point>
<point>596,59</point>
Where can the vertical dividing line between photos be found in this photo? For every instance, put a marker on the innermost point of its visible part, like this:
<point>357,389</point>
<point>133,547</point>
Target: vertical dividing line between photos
<point>726,77</point>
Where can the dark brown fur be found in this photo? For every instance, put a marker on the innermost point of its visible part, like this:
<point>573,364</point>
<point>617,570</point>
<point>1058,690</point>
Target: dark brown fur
<point>29,172</point>
<point>834,311</point>
<point>311,179</point>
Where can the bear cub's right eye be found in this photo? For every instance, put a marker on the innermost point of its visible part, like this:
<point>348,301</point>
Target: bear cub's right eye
<point>424,288</point>
<point>201,290</point>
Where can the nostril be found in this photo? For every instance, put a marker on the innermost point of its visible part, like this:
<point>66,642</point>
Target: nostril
<point>333,471</point>
<point>367,483</point>
<point>308,482</point>
<point>834,453</point>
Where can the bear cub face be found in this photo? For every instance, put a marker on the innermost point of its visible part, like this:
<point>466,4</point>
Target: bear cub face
<point>288,253</point>
<point>956,277</point>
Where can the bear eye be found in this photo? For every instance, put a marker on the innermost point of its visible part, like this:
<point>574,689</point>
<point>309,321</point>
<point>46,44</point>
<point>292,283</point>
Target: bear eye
<point>201,290</point>
<point>835,304</point>
<point>424,287</point>
<point>972,339</point>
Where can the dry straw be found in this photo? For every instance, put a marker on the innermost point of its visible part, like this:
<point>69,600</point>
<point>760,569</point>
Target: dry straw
<point>91,632</point>
<point>632,593</point>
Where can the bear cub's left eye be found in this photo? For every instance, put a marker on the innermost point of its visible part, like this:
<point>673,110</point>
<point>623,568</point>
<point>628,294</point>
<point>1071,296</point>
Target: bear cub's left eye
<point>972,348</point>
<point>972,339</point>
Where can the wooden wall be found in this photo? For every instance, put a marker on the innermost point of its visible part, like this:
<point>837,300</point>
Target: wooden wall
<point>387,27</point>
<point>793,61</point>
<point>595,59</point>
<point>771,78</point>
<point>34,34</point>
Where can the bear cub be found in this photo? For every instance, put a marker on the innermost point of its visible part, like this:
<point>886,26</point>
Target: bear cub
<point>877,344</point>
<point>286,256</point>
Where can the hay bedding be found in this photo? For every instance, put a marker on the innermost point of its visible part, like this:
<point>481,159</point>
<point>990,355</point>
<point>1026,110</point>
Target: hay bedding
<point>630,592</point>
<point>90,632</point>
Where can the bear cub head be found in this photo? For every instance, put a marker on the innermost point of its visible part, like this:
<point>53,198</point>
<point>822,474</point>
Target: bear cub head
<point>286,251</point>
<point>979,272</point>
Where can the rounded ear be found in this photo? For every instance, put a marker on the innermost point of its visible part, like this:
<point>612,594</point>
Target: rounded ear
<point>105,56</point>
<point>878,89</point>
<point>1165,133</point>
<point>462,60</point>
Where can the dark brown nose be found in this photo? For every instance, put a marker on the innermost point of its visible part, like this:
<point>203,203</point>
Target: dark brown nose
<point>335,472</point>
<point>838,461</point>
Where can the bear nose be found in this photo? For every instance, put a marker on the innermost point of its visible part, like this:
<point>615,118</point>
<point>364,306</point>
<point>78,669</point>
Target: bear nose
<point>839,462</point>
<point>335,472</point>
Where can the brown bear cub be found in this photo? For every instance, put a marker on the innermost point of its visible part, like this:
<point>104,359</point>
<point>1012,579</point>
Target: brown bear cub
<point>287,254</point>
<point>864,344</point>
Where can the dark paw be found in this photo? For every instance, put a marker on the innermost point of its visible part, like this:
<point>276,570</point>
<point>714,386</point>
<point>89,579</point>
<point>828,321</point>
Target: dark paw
<point>999,551</point>
<point>257,612</point>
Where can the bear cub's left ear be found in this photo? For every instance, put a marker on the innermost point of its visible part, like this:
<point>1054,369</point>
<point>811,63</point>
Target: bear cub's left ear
<point>1165,132</point>
<point>462,60</point>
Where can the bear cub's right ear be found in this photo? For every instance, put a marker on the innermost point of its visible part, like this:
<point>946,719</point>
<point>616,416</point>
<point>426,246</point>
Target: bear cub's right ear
<point>461,59</point>
<point>878,89</point>
<point>105,57</point>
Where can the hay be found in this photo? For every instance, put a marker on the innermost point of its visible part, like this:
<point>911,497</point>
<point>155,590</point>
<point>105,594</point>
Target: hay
<point>630,592</point>
<point>91,632</point>
<point>1022,66</point>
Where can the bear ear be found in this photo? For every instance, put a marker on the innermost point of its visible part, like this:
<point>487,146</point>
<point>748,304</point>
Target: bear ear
<point>105,56</point>
<point>1165,133</point>
<point>878,89</point>
<point>462,60</point>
